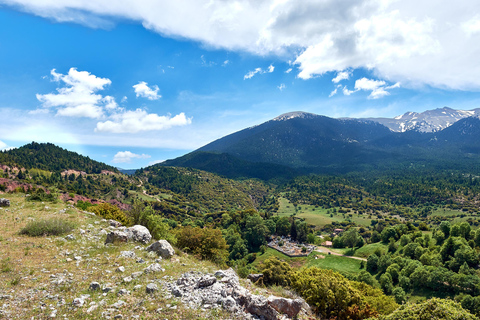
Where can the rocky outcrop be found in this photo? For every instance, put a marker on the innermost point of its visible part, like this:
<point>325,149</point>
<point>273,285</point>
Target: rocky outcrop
<point>223,290</point>
<point>139,233</point>
<point>162,248</point>
<point>254,277</point>
<point>4,202</point>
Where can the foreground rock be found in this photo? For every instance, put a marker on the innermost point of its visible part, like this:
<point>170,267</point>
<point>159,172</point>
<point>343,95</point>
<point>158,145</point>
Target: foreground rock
<point>224,290</point>
<point>162,248</point>
<point>4,202</point>
<point>136,233</point>
<point>139,233</point>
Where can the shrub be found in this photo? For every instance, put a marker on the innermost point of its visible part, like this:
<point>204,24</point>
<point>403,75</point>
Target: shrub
<point>206,243</point>
<point>41,195</point>
<point>110,211</point>
<point>275,272</point>
<point>51,227</point>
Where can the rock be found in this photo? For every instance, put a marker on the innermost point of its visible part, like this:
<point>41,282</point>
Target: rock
<point>151,288</point>
<point>154,268</point>
<point>162,248</point>
<point>254,277</point>
<point>137,274</point>
<point>122,292</point>
<point>116,236</point>
<point>140,260</point>
<point>120,269</point>
<point>70,237</point>
<point>114,223</point>
<point>127,279</point>
<point>206,281</point>
<point>94,286</point>
<point>127,254</point>
<point>177,292</point>
<point>139,233</point>
<point>259,306</point>
<point>92,308</point>
<point>118,304</point>
<point>4,202</point>
<point>288,306</point>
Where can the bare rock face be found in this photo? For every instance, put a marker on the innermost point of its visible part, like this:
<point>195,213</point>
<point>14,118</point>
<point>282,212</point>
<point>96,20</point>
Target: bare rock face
<point>139,233</point>
<point>163,248</point>
<point>4,202</point>
<point>116,236</point>
<point>291,307</point>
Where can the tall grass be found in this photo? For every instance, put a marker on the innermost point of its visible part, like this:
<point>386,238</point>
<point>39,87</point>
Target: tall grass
<point>51,227</point>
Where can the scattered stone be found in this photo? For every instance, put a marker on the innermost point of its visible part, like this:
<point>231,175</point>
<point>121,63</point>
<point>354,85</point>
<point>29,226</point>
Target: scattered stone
<point>162,248</point>
<point>94,286</point>
<point>4,202</point>
<point>122,292</point>
<point>127,254</point>
<point>118,304</point>
<point>92,308</point>
<point>151,288</point>
<point>120,269</point>
<point>154,268</point>
<point>70,237</point>
<point>118,316</point>
<point>139,233</point>
<point>136,275</point>
<point>127,279</point>
<point>140,260</point>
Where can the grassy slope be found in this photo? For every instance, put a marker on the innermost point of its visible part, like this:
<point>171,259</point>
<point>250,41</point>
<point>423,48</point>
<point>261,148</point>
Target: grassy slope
<point>29,265</point>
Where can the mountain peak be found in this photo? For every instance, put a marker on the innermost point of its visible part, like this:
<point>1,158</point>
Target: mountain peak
<point>295,114</point>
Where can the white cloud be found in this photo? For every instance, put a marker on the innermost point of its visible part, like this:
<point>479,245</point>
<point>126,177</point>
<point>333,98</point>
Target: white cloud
<point>343,75</point>
<point>127,157</point>
<point>334,92</point>
<point>250,74</point>
<point>143,90</point>
<point>281,87</point>
<point>378,88</point>
<point>3,145</point>
<point>415,42</point>
<point>472,26</point>
<point>139,120</point>
<point>225,63</point>
<point>288,70</point>
<point>347,92</point>
<point>78,98</point>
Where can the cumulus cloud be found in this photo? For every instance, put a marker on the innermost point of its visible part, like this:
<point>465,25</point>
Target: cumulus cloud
<point>250,74</point>
<point>127,157</point>
<point>77,97</point>
<point>427,42</point>
<point>343,75</point>
<point>139,120</point>
<point>281,87</point>
<point>378,88</point>
<point>288,70</point>
<point>143,90</point>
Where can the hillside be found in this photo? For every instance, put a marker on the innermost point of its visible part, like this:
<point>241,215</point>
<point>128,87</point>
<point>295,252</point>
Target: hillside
<point>49,157</point>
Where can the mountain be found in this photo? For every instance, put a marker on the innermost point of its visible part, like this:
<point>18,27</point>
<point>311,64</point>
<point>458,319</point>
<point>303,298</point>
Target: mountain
<point>47,156</point>
<point>428,121</point>
<point>319,144</point>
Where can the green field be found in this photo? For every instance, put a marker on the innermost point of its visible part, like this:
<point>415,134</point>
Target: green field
<point>318,216</point>
<point>336,263</point>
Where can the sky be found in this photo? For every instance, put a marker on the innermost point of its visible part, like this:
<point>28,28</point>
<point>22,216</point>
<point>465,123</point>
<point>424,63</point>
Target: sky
<point>132,83</point>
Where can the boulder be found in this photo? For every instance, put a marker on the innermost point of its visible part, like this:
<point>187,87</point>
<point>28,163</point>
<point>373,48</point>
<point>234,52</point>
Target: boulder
<point>116,236</point>
<point>151,288</point>
<point>162,248</point>
<point>206,281</point>
<point>254,277</point>
<point>139,233</point>
<point>290,307</point>
<point>259,306</point>
<point>153,268</point>
<point>94,286</point>
<point>4,202</point>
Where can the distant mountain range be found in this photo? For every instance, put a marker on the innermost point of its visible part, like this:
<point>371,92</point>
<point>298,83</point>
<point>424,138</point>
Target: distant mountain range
<point>305,142</point>
<point>428,121</point>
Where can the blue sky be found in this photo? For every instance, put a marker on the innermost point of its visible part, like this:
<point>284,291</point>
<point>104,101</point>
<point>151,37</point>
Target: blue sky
<point>131,84</point>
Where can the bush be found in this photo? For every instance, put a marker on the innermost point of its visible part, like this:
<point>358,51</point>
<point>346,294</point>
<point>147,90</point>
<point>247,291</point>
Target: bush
<point>275,272</point>
<point>110,211</point>
<point>206,243</point>
<point>51,227</point>
<point>41,195</point>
